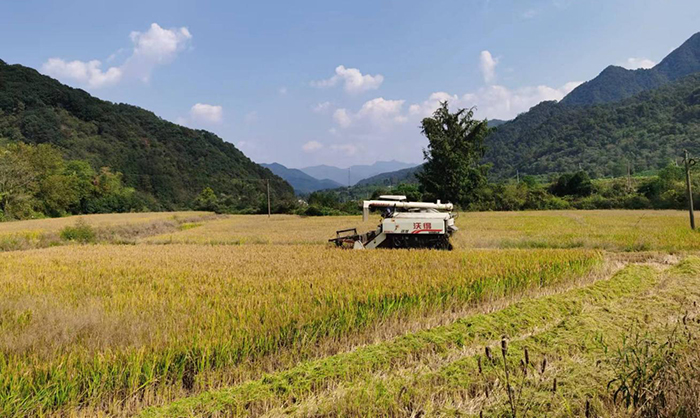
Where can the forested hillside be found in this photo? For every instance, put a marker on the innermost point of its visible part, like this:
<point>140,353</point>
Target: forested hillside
<point>157,158</point>
<point>646,131</point>
<point>392,178</point>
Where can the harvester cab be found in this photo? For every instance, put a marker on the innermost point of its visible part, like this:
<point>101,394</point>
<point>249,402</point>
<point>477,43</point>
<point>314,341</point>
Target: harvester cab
<point>404,225</point>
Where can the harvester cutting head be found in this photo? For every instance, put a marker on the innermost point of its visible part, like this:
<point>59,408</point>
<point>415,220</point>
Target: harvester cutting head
<point>404,225</point>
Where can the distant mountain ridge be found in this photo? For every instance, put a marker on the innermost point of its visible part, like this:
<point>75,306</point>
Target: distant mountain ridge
<point>355,173</point>
<point>616,83</point>
<point>393,178</point>
<point>300,181</point>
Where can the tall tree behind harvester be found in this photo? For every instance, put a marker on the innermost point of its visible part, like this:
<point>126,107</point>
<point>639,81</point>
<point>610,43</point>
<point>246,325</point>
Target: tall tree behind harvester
<point>453,169</point>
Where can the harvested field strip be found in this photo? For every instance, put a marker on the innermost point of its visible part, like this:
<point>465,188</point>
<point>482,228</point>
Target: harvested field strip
<point>259,229</point>
<point>436,371</point>
<point>113,228</point>
<point>86,325</point>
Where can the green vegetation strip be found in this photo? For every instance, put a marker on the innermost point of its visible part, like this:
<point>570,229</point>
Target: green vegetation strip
<point>285,388</point>
<point>449,383</point>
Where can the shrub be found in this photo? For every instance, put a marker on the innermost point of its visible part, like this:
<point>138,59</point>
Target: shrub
<point>80,232</point>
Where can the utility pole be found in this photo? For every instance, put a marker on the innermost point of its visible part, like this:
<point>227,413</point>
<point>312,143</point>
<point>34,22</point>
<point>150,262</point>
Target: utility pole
<point>517,176</point>
<point>268,198</point>
<point>629,177</point>
<point>689,163</point>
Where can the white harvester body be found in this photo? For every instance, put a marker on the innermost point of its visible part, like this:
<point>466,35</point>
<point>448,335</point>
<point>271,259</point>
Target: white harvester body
<point>404,225</point>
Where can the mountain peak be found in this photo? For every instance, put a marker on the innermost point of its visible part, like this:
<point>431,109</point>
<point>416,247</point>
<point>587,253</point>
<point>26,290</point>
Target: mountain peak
<point>616,83</point>
<point>683,61</point>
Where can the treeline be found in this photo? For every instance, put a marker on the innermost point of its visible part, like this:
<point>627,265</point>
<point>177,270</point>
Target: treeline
<point>250,203</point>
<point>665,190</point>
<point>36,181</point>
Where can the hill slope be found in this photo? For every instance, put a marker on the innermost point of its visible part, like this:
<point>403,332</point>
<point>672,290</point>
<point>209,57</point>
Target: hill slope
<point>170,162</point>
<point>647,130</point>
<point>300,181</point>
<point>354,173</point>
<point>392,178</point>
<point>617,83</point>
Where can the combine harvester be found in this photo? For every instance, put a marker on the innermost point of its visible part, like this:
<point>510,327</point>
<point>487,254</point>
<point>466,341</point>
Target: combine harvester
<point>404,225</point>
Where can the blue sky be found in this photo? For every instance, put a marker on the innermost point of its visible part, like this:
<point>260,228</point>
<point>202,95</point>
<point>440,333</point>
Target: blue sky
<point>341,83</point>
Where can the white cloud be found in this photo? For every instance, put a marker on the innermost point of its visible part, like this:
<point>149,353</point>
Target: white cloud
<point>382,112</point>
<point>499,102</point>
<point>379,112</point>
<point>342,118</point>
<point>487,64</point>
<point>635,63</point>
<point>312,146</point>
<point>282,91</point>
<point>156,46</point>
<point>353,80</point>
<point>495,102</point>
<point>206,113</point>
<point>322,107</point>
<point>427,108</point>
<point>85,73</point>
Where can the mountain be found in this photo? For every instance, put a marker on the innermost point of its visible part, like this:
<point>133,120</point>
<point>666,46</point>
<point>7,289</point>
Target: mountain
<point>617,83</point>
<point>392,178</point>
<point>355,173</point>
<point>647,131</point>
<point>493,123</point>
<point>169,162</point>
<point>300,181</point>
<point>641,117</point>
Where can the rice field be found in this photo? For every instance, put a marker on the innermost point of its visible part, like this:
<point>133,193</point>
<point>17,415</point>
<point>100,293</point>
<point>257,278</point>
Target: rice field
<point>616,230</point>
<point>53,225</point>
<point>245,315</point>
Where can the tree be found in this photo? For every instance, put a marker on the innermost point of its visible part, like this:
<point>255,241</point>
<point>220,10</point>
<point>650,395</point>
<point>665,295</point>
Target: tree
<point>452,170</point>
<point>207,200</point>
<point>572,184</point>
<point>18,181</point>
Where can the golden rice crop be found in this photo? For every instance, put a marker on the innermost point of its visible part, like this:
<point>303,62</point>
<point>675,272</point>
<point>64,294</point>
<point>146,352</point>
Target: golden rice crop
<point>618,230</point>
<point>80,325</point>
<point>625,230</point>
<point>259,229</point>
<point>100,220</point>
